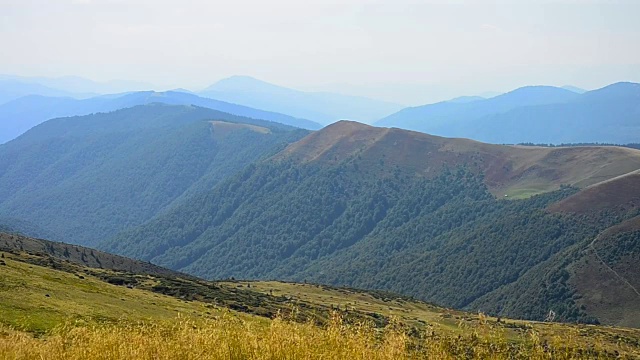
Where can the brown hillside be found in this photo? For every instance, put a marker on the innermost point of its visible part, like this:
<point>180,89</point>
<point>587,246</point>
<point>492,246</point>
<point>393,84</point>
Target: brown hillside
<point>81,255</point>
<point>608,278</point>
<point>620,193</point>
<point>603,294</point>
<point>516,171</point>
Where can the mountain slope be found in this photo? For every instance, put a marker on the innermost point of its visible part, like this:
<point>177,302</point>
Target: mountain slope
<point>599,274</point>
<point>395,210</point>
<point>553,116</point>
<point>321,107</point>
<point>20,115</point>
<point>11,225</point>
<point>86,178</point>
<point>81,256</point>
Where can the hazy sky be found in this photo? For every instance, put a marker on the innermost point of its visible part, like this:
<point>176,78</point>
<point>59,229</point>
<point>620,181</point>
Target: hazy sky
<point>410,52</point>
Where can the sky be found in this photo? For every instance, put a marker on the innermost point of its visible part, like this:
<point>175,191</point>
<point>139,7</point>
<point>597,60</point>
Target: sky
<point>410,52</point>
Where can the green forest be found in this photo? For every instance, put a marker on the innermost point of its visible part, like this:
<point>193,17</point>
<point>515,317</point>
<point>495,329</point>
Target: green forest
<point>445,239</point>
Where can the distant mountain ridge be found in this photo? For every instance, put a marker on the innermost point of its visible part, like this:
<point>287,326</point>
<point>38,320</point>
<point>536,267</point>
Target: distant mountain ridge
<point>79,87</point>
<point>11,89</point>
<point>533,114</point>
<point>610,114</point>
<point>20,115</point>
<point>440,115</point>
<point>322,107</point>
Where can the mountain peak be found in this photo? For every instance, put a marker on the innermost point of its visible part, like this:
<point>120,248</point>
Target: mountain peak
<point>242,83</point>
<point>538,92</point>
<point>334,142</point>
<point>615,91</point>
<point>465,99</point>
<point>621,86</point>
<point>575,89</point>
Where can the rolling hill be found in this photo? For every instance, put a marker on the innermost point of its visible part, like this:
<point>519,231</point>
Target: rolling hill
<point>321,107</point>
<point>407,212</point>
<point>85,178</point>
<point>81,256</point>
<point>18,116</point>
<point>540,115</point>
<point>122,308</point>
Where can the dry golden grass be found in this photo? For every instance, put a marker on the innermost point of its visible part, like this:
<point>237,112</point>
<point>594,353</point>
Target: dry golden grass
<point>443,323</point>
<point>105,321</point>
<point>36,299</point>
<point>228,337</point>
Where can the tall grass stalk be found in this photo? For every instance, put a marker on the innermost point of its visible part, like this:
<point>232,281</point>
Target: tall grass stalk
<point>228,337</point>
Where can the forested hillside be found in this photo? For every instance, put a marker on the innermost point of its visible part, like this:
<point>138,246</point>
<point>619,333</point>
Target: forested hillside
<point>86,178</point>
<point>389,209</point>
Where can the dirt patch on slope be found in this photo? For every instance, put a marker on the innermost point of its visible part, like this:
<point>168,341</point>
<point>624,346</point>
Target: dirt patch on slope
<point>221,128</point>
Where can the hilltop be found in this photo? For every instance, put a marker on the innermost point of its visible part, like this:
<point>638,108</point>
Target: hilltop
<point>510,170</point>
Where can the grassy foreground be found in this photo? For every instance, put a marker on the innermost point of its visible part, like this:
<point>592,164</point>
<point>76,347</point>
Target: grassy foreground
<point>70,312</point>
<point>229,337</point>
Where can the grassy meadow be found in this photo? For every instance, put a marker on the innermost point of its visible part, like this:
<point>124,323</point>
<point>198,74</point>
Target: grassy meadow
<point>52,314</point>
<point>228,337</point>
